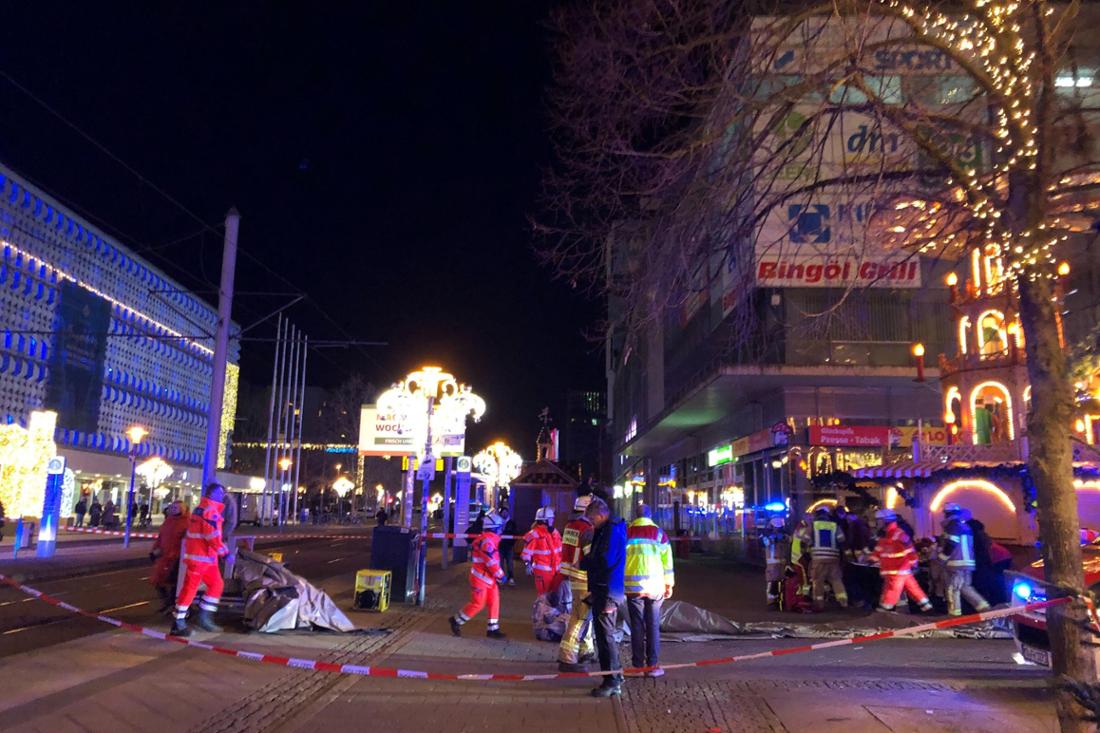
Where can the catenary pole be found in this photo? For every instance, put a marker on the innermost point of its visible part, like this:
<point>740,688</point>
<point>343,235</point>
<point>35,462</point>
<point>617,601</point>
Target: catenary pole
<point>288,417</point>
<point>301,418</point>
<point>265,505</point>
<point>221,347</point>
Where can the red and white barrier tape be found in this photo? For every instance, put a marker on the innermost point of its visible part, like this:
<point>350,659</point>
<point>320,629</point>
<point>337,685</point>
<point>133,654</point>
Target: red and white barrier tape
<point>153,535</point>
<point>367,671</point>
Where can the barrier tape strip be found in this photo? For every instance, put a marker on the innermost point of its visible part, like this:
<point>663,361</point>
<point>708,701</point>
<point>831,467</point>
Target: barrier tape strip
<point>430,535</point>
<point>367,671</point>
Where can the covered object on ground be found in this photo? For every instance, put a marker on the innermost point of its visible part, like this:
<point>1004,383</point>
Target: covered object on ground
<point>278,600</point>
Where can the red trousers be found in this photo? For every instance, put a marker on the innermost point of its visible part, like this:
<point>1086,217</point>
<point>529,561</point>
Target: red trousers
<point>480,596</point>
<point>892,586</point>
<point>543,583</point>
<point>197,573</point>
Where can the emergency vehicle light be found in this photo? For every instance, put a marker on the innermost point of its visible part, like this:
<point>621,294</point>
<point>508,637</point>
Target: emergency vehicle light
<point>1022,590</point>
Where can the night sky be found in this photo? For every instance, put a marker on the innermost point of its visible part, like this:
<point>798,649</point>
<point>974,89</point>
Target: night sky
<point>384,156</point>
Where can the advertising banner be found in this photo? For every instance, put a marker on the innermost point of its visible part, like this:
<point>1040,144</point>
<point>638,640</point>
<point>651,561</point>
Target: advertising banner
<point>930,435</point>
<point>777,271</point>
<point>387,434</point>
<point>850,436</point>
<point>75,383</point>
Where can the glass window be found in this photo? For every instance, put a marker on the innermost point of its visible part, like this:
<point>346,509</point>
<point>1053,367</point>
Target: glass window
<point>887,88</point>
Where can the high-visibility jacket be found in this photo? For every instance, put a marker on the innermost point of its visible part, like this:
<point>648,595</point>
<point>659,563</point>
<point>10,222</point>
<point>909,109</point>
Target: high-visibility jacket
<point>957,545</point>
<point>894,552</point>
<point>574,541</point>
<point>203,541</point>
<point>485,568</point>
<point>648,560</point>
<point>824,538</point>
<point>542,550</point>
<point>776,548</point>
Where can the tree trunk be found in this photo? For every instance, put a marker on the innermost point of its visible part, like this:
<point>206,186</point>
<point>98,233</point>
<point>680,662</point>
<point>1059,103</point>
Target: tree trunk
<point>1050,462</point>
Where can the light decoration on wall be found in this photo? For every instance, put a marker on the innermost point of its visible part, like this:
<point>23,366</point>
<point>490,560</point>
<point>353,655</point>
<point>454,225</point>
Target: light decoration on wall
<point>24,453</point>
<point>499,463</point>
<point>229,412</point>
<point>982,485</point>
<point>1008,407</point>
<point>820,503</point>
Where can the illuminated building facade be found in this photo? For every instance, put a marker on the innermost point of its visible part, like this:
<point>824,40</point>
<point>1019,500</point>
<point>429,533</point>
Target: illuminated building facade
<point>94,333</point>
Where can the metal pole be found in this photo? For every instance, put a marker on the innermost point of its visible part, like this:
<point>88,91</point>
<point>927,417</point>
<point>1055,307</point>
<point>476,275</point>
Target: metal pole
<point>301,418</point>
<point>425,488</point>
<point>269,474</point>
<point>130,496</point>
<point>280,421</point>
<point>446,506</point>
<point>221,348</point>
<point>407,496</point>
<point>288,402</point>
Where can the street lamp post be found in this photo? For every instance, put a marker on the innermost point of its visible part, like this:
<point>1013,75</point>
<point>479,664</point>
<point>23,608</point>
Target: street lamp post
<point>284,467</point>
<point>501,464</point>
<point>135,434</point>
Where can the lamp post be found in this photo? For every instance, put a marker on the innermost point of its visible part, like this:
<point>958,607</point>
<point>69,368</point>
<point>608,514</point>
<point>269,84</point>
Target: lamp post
<point>135,434</point>
<point>155,471</point>
<point>284,466</point>
<point>501,464</point>
<point>918,353</point>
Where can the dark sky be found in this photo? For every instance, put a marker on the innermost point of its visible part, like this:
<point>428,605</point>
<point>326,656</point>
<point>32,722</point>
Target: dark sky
<point>384,157</point>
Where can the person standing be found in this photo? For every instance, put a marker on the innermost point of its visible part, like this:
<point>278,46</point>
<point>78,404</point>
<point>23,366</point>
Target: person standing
<point>648,582</point>
<point>80,510</point>
<point>166,552</point>
<point>605,564</point>
<point>109,520</point>
<point>824,538</point>
<point>896,557</point>
<point>542,550</point>
<point>381,516</point>
<point>95,512</point>
<point>508,547</point>
<point>957,554</point>
<point>577,645</point>
<point>485,574</point>
<point>202,546</point>
<point>777,548</point>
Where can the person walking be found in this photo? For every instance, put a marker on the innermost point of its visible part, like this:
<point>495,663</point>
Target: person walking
<point>605,564</point>
<point>542,550</point>
<point>896,557</point>
<point>95,513</point>
<point>648,582</point>
<point>777,550</point>
<point>202,546</point>
<point>824,538</point>
<point>80,510</point>
<point>957,554</point>
<point>577,645</point>
<point>485,575</point>
<point>508,547</point>
<point>166,552</point>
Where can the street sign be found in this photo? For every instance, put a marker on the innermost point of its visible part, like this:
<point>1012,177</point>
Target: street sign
<point>51,507</point>
<point>464,464</point>
<point>426,472</point>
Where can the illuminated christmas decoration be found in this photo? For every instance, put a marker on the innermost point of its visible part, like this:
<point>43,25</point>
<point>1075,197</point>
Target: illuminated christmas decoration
<point>154,470</point>
<point>229,412</point>
<point>342,486</point>
<point>499,463</point>
<point>981,484</point>
<point>24,453</point>
<point>432,398</point>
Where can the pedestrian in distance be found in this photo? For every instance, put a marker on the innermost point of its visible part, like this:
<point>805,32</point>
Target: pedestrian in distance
<point>542,550</point>
<point>95,513</point>
<point>605,564</point>
<point>823,537</point>
<point>381,517</point>
<point>896,557</point>
<point>777,550</point>
<point>80,510</point>
<point>648,582</point>
<point>577,645</point>
<point>508,546</point>
<point>485,576</point>
<point>202,547</point>
<point>143,514</point>
<point>165,554</point>
<point>957,554</point>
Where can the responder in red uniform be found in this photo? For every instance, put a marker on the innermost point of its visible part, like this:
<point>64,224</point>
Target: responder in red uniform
<point>896,557</point>
<point>485,575</point>
<point>202,546</point>
<point>166,552</point>
<point>542,551</point>
<point>577,645</point>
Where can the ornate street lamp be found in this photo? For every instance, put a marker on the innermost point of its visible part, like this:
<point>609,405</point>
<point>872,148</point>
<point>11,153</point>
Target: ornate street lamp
<point>155,471</point>
<point>136,434</point>
<point>500,464</point>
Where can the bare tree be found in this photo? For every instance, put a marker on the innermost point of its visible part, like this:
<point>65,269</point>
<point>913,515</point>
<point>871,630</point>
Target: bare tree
<point>690,133</point>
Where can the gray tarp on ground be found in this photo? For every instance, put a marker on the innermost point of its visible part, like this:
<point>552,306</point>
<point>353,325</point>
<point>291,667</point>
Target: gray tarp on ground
<point>279,600</point>
<point>682,621</point>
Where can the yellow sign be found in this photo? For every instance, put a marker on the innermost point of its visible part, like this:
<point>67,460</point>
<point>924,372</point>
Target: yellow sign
<point>930,435</point>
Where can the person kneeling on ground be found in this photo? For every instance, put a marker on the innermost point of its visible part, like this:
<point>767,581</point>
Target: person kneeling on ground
<point>485,575</point>
<point>895,555</point>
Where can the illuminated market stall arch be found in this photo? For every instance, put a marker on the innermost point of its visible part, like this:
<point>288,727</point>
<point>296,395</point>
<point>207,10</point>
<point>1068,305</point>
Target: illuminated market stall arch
<point>1002,424</point>
<point>986,501</point>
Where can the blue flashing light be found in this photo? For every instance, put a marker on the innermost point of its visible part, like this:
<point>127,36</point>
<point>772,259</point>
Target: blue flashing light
<point>1022,590</point>
<point>775,506</point>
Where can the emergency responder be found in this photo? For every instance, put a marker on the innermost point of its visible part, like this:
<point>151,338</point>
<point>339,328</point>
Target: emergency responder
<point>777,547</point>
<point>485,575</point>
<point>577,645</point>
<point>648,582</point>
<point>824,539</point>
<point>166,552</point>
<point>896,557</point>
<point>202,546</point>
<point>542,550</point>
<point>957,554</point>
<point>605,563</point>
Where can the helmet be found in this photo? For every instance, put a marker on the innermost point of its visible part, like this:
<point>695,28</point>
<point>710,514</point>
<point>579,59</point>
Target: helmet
<point>821,510</point>
<point>778,522</point>
<point>492,522</point>
<point>886,515</point>
<point>582,503</point>
<point>545,514</point>
<point>951,509</point>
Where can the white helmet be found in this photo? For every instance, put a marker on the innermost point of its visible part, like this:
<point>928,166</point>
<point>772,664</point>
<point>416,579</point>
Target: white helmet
<point>545,514</point>
<point>582,503</point>
<point>886,515</point>
<point>778,522</point>
<point>492,522</point>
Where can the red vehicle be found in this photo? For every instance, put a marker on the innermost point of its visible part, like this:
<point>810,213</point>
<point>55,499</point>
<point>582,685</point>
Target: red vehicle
<point>1030,627</point>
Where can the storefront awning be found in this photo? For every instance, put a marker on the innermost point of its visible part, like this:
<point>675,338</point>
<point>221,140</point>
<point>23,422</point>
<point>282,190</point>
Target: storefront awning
<point>905,469</point>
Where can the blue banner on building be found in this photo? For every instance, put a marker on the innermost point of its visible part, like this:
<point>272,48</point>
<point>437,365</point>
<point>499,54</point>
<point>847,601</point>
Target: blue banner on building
<point>76,364</point>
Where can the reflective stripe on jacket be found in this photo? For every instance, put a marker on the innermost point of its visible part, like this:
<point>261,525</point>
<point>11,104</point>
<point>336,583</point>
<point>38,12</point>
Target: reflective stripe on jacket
<point>957,545</point>
<point>894,552</point>
<point>203,540</point>
<point>485,567</point>
<point>541,550</point>
<point>775,547</point>
<point>824,538</point>
<point>578,531</point>
<point>648,560</point>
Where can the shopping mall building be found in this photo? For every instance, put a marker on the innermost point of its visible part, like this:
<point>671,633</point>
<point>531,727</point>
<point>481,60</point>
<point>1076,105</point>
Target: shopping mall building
<point>93,341</point>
